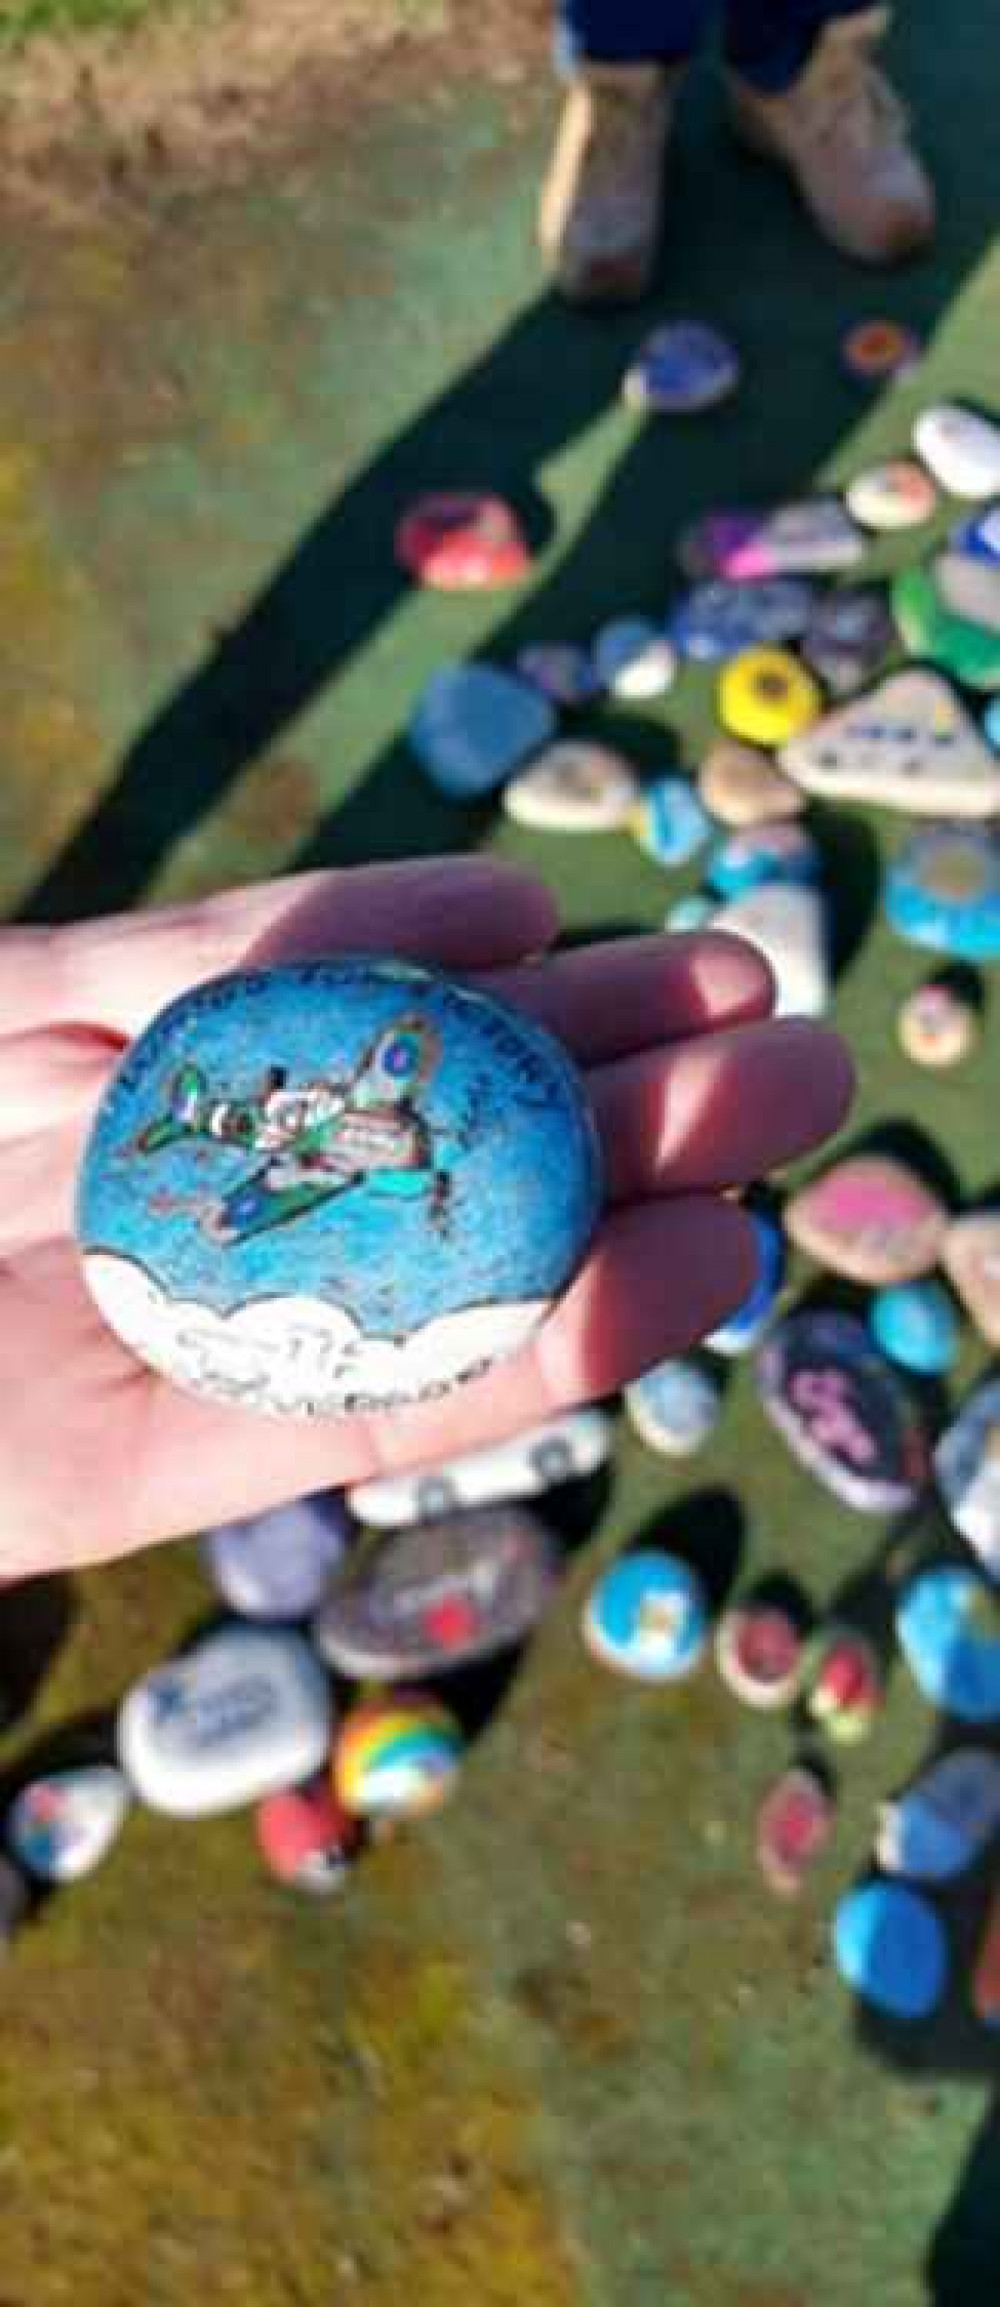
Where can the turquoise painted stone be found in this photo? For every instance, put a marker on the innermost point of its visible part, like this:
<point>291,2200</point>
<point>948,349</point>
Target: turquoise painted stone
<point>948,1624</point>
<point>890,1946</point>
<point>647,1617</point>
<point>745,1326</point>
<point>670,823</point>
<point>335,1186</point>
<point>474,725</point>
<point>759,853</point>
<point>689,913</point>
<point>943,890</point>
<point>674,1407</point>
<point>916,1325</point>
<point>932,627</point>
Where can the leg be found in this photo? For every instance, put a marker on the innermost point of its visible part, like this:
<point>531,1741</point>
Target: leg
<point>631,31</point>
<point>769,42</point>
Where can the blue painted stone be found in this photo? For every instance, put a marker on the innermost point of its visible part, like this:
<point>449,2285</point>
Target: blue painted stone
<point>916,1325</point>
<point>943,890</point>
<point>689,913</point>
<point>682,368</point>
<point>991,724</point>
<point>948,1625</point>
<point>335,1185</point>
<point>674,1407</point>
<point>718,619</point>
<point>759,853</point>
<point>474,725</point>
<point>980,536</point>
<point>890,1947</point>
<point>632,657</point>
<point>279,1564</point>
<point>743,1329</point>
<point>647,1617</point>
<point>670,823</point>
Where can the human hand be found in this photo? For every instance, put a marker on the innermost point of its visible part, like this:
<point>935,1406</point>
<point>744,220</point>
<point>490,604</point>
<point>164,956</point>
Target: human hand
<point>693,1087</point>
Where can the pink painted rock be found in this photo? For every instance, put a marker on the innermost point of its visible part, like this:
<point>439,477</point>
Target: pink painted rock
<point>869,1218</point>
<point>461,541</point>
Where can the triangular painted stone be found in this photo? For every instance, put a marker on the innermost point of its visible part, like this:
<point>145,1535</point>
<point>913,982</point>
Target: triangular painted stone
<point>971,1260</point>
<point>573,787</point>
<point>787,923</point>
<point>907,744</point>
<point>62,1826</point>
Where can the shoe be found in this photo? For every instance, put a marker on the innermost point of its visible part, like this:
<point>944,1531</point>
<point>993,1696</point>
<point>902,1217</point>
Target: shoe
<point>599,219</point>
<point>841,132</point>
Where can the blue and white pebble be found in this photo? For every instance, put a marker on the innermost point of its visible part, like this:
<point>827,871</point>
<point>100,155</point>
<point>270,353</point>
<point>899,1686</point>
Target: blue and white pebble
<point>979,536</point>
<point>948,1625</point>
<point>669,821</point>
<point>722,616</point>
<point>916,1325</point>
<point>674,1407</point>
<point>967,1466</point>
<point>940,1825</point>
<point>474,725</point>
<point>246,1712</point>
<point>633,659</point>
<point>743,1329</point>
<point>60,1827</point>
<point>943,891</point>
<point>744,860</point>
<point>890,1947</point>
<point>683,367</point>
<point>647,1618</point>
<point>278,1565</point>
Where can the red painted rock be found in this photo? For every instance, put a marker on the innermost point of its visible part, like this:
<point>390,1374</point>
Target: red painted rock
<point>793,1826</point>
<point>846,1690</point>
<point>461,541</point>
<point>306,1838</point>
<point>870,1218</point>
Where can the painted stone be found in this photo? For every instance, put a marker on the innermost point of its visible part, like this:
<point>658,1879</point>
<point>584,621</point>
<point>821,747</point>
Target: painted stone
<point>967,1466</point>
<point>931,627</point>
<point>691,912</point>
<point>682,368</point>
<point>760,1652</point>
<point>869,1217</point>
<point>916,1325</point>
<point>563,672</point>
<point>564,1449</point>
<point>943,890</point>
<point>397,1757</point>
<point>767,696</point>
<point>991,724</point>
<point>812,537</point>
<point>939,1826</point>
<point>985,1992</point>
<point>759,853</point>
<point>244,1713</point>
<point>741,787</point>
<point>787,923</point>
<point>961,448</point>
<point>462,541</point>
<point>971,1259</point>
<point>438,1595</point>
<point>794,1825</point>
<point>979,536</point>
<point>646,1617</point>
<point>879,352</point>
<point>674,1407</point>
<point>719,617</point>
<point>896,495</point>
<point>669,822</point>
<point>474,726</point>
<point>307,1839</point>
<point>279,1564</point>
<point>846,1691</point>
<point>907,744</point>
<point>60,1827</point>
<point>335,1186</point>
<point>937,1027</point>
<point>969,586</point>
<point>743,1329</point>
<point>573,787</point>
<point>850,634</point>
<point>844,1411</point>
<point>633,659</point>
<point>14,1902</point>
<point>948,1625</point>
<point>890,1948</point>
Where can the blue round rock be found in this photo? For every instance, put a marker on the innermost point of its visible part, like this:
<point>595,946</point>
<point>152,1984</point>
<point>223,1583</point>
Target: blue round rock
<point>721,616</point>
<point>979,536</point>
<point>890,1947</point>
<point>647,1617</point>
<point>916,1325</point>
<point>743,1329</point>
<point>944,891</point>
<point>758,853</point>
<point>948,1625</point>
<point>682,368</point>
<point>674,1407</point>
<point>335,1186</point>
<point>474,725</point>
<point>670,823</point>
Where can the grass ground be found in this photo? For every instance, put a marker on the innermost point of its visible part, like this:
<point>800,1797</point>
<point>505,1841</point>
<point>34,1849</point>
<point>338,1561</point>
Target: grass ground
<point>623,2078</point>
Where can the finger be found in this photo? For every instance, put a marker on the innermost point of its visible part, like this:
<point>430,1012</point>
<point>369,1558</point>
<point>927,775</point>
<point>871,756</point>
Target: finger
<point>459,913</point>
<point>722,1110</point>
<point>612,999</point>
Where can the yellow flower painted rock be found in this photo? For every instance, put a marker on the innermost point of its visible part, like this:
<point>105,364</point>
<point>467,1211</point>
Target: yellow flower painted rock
<point>767,696</point>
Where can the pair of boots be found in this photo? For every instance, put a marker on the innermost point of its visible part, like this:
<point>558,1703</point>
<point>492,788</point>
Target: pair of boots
<point>839,130</point>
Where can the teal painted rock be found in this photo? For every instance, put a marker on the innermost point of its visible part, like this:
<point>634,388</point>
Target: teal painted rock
<point>889,1945</point>
<point>931,627</point>
<point>948,1623</point>
<point>916,1324</point>
<point>335,1186</point>
<point>647,1617</point>
<point>669,821</point>
<point>474,725</point>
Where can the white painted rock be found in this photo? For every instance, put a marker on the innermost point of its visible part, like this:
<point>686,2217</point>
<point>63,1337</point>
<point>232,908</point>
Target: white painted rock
<point>573,787</point>
<point>245,1713</point>
<point>961,448</point>
<point>971,1260</point>
<point>967,1466</point>
<point>939,1826</point>
<point>562,1450</point>
<point>787,923</point>
<point>62,1826</point>
<point>633,659</point>
<point>907,744</point>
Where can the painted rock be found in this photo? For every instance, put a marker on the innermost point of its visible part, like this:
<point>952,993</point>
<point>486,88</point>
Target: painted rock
<point>969,586</point>
<point>244,1713</point>
<point>939,1826</point>
<point>564,1449</point>
<point>967,1466</point>
<point>462,541</point>
<point>306,1838</point>
<point>759,853</point>
<point>741,787</point>
<point>691,912</point>
<point>60,1828</point>
<point>767,696</point>
<point>473,727</point>
<point>846,1690</point>
<point>634,659</point>
<point>813,537</point>
<point>563,672</point>
<point>279,1564</point>
<point>743,1329</point>
<point>573,787</point>
<point>979,536</point>
<point>669,822</point>
<point>961,448</point>
<point>896,495</point>
<point>907,744</point>
<point>931,627</point>
<point>787,923</point>
<point>948,1624</point>
<point>937,1027</point>
<point>850,634</point>
<point>335,1186</point>
<point>760,1652</point>
<point>718,617</point>
<point>794,1825</point>
<point>991,724</point>
<point>986,1974</point>
<point>674,1407</point>
<point>869,1217</point>
<point>890,1948</point>
<point>680,369</point>
<point>646,1617</point>
<point>943,890</point>
<point>397,1757</point>
<point>916,1325</point>
<point>971,1259</point>
<point>844,1412</point>
<point>440,1594</point>
<point>14,1902</point>
<point>879,352</point>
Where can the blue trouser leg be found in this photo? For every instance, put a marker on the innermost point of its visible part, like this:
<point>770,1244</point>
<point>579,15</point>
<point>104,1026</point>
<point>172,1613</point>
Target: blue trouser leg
<point>767,41</point>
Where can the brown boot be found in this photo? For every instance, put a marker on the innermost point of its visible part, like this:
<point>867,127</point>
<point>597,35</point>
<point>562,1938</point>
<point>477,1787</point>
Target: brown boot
<point>599,219</point>
<point>841,132</point>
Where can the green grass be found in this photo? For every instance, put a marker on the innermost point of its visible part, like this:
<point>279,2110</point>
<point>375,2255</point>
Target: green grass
<point>25,20</point>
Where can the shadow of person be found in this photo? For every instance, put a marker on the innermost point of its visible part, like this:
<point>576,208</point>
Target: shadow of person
<point>35,1620</point>
<point>963,2260</point>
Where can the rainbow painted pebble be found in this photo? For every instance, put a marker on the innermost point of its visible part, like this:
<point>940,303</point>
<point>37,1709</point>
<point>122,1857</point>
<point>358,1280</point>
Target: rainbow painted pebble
<point>397,1757</point>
